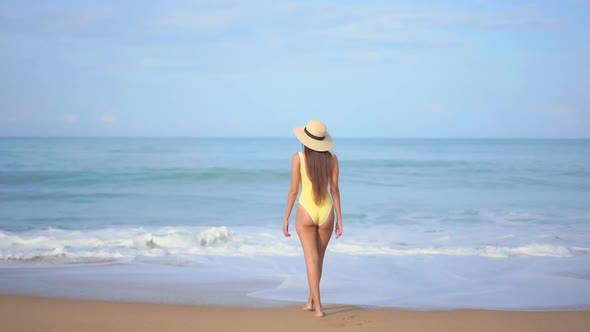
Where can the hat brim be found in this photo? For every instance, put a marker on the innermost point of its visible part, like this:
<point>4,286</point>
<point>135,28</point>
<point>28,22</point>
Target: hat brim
<point>324,145</point>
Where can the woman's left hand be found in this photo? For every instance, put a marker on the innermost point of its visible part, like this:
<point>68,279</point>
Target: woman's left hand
<point>338,229</point>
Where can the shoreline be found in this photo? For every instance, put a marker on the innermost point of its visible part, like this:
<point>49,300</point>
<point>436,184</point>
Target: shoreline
<point>260,303</point>
<point>216,286</point>
<point>26,313</point>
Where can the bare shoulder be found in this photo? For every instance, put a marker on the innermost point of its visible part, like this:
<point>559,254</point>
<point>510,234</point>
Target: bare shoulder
<point>335,157</point>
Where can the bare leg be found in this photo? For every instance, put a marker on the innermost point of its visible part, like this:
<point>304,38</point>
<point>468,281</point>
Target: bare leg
<point>324,233</point>
<point>314,240</point>
<point>306,230</point>
<point>309,305</point>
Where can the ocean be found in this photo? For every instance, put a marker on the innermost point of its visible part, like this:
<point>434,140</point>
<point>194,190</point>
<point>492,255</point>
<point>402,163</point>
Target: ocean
<point>428,223</point>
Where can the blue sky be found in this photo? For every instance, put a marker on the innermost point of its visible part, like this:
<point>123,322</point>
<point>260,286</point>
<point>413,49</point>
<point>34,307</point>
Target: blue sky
<point>255,68</point>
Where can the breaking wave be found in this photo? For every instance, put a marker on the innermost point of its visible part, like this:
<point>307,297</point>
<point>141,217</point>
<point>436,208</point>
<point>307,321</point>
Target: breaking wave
<point>133,244</point>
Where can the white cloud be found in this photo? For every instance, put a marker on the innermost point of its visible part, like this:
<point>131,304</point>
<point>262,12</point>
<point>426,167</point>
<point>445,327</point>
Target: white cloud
<point>562,111</point>
<point>83,17</point>
<point>8,119</point>
<point>70,118</point>
<point>434,108</point>
<point>323,21</point>
<point>564,114</point>
<point>149,62</point>
<point>358,31</point>
<point>107,119</point>
<point>527,17</point>
<point>72,20</point>
<point>206,33</point>
<point>201,20</point>
<point>19,116</point>
<point>565,111</point>
<point>369,56</point>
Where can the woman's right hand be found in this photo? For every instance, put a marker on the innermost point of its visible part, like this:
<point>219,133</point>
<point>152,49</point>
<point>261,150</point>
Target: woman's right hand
<point>286,228</point>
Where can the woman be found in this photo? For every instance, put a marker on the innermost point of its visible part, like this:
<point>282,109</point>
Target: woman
<point>316,171</point>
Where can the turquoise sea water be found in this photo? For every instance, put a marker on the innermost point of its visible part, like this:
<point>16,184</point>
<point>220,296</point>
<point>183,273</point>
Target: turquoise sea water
<point>428,223</point>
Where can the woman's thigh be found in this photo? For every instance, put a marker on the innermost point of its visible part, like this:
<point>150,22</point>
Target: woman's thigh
<point>307,232</point>
<point>325,231</point>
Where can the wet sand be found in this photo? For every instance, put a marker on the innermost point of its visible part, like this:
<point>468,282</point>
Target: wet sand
<point>24,313</point>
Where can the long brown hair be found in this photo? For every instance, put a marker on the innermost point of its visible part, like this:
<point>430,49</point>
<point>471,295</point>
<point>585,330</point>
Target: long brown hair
<point>319,170</point>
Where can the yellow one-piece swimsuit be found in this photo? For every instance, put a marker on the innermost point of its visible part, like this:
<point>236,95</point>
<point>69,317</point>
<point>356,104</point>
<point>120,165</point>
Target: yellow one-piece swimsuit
<point>318,213</point>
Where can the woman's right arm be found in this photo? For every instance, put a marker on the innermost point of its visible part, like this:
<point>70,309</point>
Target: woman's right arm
<point>293,191</point>
<point>336,195</point>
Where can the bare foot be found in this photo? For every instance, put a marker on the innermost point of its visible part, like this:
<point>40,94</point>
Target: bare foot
<point>308,308</point>
<point>319,314</point>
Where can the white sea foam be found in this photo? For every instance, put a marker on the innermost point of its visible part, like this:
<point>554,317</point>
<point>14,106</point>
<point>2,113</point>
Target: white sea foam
<point>505,237</point>
<point>484,251</point>
<point>133,243</point>
<point>581,250</point>
<point>214,236</point>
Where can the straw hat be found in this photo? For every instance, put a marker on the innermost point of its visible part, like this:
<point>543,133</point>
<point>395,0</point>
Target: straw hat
<point>314,135</point>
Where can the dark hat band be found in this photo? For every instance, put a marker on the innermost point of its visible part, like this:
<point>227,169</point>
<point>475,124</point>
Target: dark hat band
<point>317,138</point>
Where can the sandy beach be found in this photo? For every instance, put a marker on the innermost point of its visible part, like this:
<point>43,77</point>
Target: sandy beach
<point>23,313</point>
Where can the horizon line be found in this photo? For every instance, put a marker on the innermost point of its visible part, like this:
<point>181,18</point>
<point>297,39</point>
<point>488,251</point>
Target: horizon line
<point>289,137</point>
